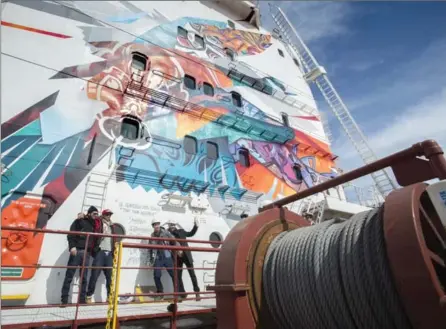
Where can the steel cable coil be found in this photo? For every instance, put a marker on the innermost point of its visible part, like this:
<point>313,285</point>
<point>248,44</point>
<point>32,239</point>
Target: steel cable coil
<point>334,275</point>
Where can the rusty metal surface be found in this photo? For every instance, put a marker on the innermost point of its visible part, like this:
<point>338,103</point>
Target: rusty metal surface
<point>239,267</point>
<point>415,241</point>
<point>405,166</point>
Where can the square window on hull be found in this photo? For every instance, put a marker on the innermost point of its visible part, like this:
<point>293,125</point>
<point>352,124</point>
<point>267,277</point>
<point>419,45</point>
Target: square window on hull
<point>208,89</point>
<point>139,62</point>
<point>189,82</point>
<point>285,120</point>
<point>298,172</point>
<point>244,157</point>
<point>199,40</point>
<point>211,151</point>
<point>230,53</point>
<point>236,99</point>
<point>182,32</point>
<point>130,128</point>
<point>190,145</point>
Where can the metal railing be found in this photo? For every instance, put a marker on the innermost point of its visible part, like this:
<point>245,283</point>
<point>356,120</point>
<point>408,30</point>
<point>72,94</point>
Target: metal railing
<point>19,234</point>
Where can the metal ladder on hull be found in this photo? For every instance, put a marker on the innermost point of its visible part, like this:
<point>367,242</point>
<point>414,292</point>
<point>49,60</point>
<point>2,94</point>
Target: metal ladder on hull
<point>95,191</point>
<point>317,74</point>
<point>97,183</point>
<point>311,205</point>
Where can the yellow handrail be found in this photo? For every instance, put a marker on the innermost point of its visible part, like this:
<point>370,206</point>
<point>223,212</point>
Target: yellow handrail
<point>116,296</point>
<point>112,310</point>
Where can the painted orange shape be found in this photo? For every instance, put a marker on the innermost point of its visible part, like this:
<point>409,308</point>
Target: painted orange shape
<point>21,248</point>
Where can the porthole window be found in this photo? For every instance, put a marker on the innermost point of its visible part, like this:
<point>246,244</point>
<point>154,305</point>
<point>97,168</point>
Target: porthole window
<point>231,24</point>
<point>182,32</point>
<point>298,172</point>
<point>189,82</point>
<point>244,157</point>
<point>130,128</point>
<point>215,237</point>
<point>208,89</point>
<point>296,61</point>
<point>139,62</point>
<point>268,90</point>
<point>285,120</point>
<point>280,52</point>
<point>199,40</point>
<point>211,151</point>
<point>236,99</point>
<point>230,53</point>
<point>119,230</point>
<point>190,145</point>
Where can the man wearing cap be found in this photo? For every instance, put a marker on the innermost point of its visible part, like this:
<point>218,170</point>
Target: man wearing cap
<point>103,255</point>
<point>161,257</point>
<point>77,249</point>
<point>186,258</point>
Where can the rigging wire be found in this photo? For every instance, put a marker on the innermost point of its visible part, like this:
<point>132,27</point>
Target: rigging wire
<point>334,275</point>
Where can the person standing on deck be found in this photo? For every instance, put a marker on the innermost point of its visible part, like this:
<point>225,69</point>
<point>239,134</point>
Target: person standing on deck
<point>103,255</point>
<point>186,258</point>
<point>161,258</point>
<point>78,249</point>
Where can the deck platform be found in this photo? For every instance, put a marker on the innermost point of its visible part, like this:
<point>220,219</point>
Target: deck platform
<point>19,318</point>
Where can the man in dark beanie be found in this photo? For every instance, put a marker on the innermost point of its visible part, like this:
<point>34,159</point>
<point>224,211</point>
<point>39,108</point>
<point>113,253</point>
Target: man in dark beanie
<point>77,249</point>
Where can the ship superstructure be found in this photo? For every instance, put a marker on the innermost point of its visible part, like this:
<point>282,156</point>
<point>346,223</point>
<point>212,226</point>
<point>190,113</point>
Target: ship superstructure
<point>168,110</point>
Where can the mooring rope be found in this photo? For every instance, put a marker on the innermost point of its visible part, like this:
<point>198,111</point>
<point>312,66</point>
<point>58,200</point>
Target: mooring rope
<point>334,275</point>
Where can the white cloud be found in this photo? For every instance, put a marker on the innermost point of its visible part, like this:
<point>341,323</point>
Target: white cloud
<point>318,19</point>
<point>314,20</point>
<point>425,120</point>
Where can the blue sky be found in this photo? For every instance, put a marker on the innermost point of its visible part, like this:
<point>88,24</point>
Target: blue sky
<point>388,62</point>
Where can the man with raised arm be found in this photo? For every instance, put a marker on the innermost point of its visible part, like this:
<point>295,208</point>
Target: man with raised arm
<point>186,258</point>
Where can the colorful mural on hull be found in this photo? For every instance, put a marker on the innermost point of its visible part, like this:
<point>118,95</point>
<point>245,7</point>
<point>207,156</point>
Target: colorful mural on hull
<point>56,159</point>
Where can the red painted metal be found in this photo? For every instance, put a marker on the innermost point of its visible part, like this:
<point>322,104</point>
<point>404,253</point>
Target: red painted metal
<point>81,277</point>
<point>108,267</point>
<point>74,323</point>
<point>415,241</point>
<point>173,319</point>
<point>103,320</point>
<point>117,236</point>
<point>176,248</point>
<point>238,276</point>
<point>234,285</point>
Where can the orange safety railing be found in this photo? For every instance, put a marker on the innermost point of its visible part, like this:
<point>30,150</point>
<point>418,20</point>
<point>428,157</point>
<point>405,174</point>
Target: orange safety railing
<point>172,311</point>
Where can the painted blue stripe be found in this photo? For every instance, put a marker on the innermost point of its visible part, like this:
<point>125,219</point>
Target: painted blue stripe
<point>18,151</point>
<point>37,173</point>
<point>60,163</point>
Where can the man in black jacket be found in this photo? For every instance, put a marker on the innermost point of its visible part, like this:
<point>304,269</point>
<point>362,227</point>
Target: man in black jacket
<point>77,249</point>
<point>186,257</point>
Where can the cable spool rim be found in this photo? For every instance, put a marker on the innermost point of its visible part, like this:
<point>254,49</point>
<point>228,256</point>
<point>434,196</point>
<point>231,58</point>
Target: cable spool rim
<point>407,225</point>
<point>256,259</point>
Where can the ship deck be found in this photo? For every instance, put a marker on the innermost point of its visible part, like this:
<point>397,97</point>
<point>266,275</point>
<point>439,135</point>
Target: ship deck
<point>30,317</point>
